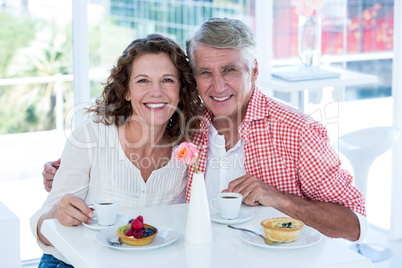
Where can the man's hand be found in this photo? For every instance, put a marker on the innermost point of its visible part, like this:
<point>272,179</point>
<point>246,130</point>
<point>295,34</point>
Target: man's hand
<point>72,211</point>
<point>331,219</point>
<point>49,170</point>
<point>254,191</point>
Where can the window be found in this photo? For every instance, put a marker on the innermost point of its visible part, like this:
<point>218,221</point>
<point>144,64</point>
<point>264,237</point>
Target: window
<point>356,35</point>
<point>35,60</point>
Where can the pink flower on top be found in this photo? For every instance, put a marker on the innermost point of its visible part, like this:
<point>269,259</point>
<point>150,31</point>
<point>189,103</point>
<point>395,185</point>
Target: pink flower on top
<point>187,153</point>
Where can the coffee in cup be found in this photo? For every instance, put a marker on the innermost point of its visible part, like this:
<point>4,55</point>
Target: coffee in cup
<point>228,205</point>
<point>106,210</point>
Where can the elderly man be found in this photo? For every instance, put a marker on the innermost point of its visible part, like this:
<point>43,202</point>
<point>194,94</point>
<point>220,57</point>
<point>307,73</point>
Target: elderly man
<point>270,153</point>
<point>284,156</point>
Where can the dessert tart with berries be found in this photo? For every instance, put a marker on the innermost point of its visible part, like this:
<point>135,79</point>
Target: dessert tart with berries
<point>284,228</point>
<point>136,233</point>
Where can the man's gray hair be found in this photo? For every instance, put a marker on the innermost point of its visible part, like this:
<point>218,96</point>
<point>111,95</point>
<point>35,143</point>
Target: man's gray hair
<point>224,33</point>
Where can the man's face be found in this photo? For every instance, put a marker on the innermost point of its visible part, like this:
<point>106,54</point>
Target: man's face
<point>223,80</point>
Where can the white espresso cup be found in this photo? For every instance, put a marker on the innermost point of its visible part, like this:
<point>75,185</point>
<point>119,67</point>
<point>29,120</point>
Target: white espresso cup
<point>228,205</point>
<point>106,210</point>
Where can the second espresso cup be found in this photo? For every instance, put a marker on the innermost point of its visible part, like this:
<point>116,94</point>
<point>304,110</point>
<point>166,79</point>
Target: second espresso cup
<point>228,205</point>
<point>106,210</point>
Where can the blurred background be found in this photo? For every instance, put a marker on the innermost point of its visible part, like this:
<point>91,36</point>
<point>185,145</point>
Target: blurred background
<point>36,76</point>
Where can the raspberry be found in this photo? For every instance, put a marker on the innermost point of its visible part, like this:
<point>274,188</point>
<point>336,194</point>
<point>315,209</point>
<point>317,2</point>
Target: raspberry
<point>141,219</point>
<point>130,232</point>
<point>138,233</point>
<point>136,224</point>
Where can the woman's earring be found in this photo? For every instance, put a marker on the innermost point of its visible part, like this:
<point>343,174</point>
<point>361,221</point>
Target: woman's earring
<point>170,124</point>
<point>126,97</point>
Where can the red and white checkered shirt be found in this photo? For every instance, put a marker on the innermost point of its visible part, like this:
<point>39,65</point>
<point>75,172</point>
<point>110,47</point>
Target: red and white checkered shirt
<point>289,150</point>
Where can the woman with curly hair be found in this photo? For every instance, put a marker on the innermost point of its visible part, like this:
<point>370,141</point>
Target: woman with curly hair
<point>148,106</point>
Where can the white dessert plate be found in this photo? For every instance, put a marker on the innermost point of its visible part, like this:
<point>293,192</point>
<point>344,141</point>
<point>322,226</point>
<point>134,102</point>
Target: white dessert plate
<point>165,236</point>
<point>121,220</point>
<point>308,237</point>
<point>243,217</point>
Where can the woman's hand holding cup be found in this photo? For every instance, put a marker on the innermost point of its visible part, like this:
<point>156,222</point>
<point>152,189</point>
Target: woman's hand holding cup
<point>72,211</point>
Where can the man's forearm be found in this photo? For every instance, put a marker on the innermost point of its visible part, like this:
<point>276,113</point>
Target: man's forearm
<point>330,219</point>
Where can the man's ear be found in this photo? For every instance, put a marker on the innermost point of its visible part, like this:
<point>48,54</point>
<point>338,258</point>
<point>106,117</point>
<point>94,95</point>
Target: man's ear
<point>254,72</point>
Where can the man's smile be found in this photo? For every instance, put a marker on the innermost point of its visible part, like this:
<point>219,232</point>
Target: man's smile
<point>221,98</point>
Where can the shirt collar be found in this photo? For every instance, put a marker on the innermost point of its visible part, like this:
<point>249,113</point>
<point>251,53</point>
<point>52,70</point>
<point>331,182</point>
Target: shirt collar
<point>206,121</point>
<point>257,107</point>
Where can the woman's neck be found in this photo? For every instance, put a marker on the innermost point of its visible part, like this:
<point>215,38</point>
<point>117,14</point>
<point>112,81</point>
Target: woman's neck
<point>144,135</point>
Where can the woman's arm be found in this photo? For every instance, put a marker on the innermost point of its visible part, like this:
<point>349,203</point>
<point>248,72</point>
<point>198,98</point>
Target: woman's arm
<point>70,186</point>
<point>70,211</point>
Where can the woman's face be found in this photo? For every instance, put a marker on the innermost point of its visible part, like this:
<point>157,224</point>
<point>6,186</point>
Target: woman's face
<point>154,89</point>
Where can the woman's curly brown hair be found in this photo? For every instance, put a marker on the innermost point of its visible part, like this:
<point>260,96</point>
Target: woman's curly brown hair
<point>112,108</point>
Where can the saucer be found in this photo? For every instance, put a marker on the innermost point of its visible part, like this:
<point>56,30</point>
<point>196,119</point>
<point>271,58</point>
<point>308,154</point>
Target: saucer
<point>243,217</point>
<point>121,220</point>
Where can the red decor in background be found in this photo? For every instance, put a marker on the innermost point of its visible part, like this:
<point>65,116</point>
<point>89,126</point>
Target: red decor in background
<point>369,31</point>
